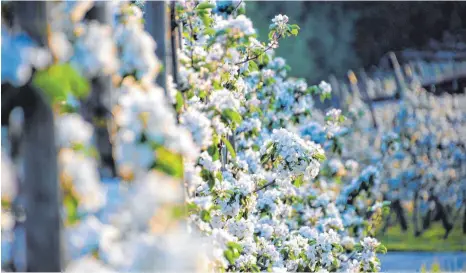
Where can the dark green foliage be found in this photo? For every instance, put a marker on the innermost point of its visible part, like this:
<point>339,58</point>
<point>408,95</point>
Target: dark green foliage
<point>338,36</point>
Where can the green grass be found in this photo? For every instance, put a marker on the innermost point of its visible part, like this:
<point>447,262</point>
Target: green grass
<point>431,240</point>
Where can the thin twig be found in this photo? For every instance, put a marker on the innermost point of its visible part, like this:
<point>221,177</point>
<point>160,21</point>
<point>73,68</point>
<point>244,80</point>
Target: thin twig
<point>237,6</point>
<point>265,186</point>
<point>191,30</point>
<point>257,56</point>
<point>254,57</point>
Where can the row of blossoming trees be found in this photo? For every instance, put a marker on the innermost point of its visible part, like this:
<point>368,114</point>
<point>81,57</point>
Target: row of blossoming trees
<point>422,154</point>
<point>231,158</point>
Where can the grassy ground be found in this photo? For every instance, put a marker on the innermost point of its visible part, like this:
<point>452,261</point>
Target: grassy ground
<point>431,240</point>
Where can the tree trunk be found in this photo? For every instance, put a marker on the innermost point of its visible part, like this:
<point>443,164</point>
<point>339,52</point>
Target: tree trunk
<point>464,221</point>
<point>398,208</point>
<point>417,231</point>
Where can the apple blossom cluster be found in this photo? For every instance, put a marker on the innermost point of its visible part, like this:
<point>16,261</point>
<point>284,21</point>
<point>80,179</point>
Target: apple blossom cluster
<point>280,23</point>
<point>78,171</point>
<point>291,155</point>
<point>325,87</point>
<point>199,126</point>
<point>112,224</point>
<point>256,192</point>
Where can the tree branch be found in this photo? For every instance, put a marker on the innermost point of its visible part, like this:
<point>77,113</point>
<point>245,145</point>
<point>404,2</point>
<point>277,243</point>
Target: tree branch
<point>265,186</point>
<point>257,56</point>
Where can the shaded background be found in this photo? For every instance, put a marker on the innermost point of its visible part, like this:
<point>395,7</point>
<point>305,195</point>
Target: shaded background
<point>338,36</point>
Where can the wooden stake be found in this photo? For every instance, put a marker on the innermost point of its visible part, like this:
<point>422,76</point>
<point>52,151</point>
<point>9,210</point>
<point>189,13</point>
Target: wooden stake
<point>155,18</point>
<point>42,193</point>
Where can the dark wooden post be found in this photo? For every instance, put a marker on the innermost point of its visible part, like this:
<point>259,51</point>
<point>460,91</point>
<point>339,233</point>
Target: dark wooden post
<point>400,82</point>
<point>98,105</point>
<point>336,96</point>
<point>357,93</point>
<point>378,87</point>
<point>353,80</point>
<point>344,94</point>
<point>366,97</point>
<point>42,191</point>
<point>155,18</point>
<point>454,75</point>
<point>407,72</point>
<point>175,42</point>
<point>41,188</point>
<point>420,72</point>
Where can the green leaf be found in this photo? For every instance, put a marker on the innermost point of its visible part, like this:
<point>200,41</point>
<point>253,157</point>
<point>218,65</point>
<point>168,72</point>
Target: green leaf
<point>338,179</point>
<point>192,207</point>
<point>225,77</point>
<point>168,162</point>
<point>381,249</point>
<point>341,118</point>
<point>209,177</point>
<point>229,256</point>
<point>209,31</point>
<point>322,98</point>
<point>205,5</point>
<point>266,59</point>
<point>216,85</point>
<point>202,94</point>
<point>294,32</point>
<point>234,245</point>
<point>312,90</point>
<point>71,206</point>
<point>214,152</point>
<point>213,149</point>
<point>265,158</point>
<point>320,157</point>
<point>298,182</point>
<point>179,102</point>
<point>206,18</point>
<point>230,148</point>
<point>253,66</point>
<point>337,248</point>
<point>205,216</point>
<point>232,115</point>
<point>261,58</point>
<point>270,81</point>
<point>255,268</point>
<point>60,80</point>
<point>241,10</point>
<point>219,176</point>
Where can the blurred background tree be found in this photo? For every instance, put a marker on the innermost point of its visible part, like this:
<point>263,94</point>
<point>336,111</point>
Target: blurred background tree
<point>338,36</point>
